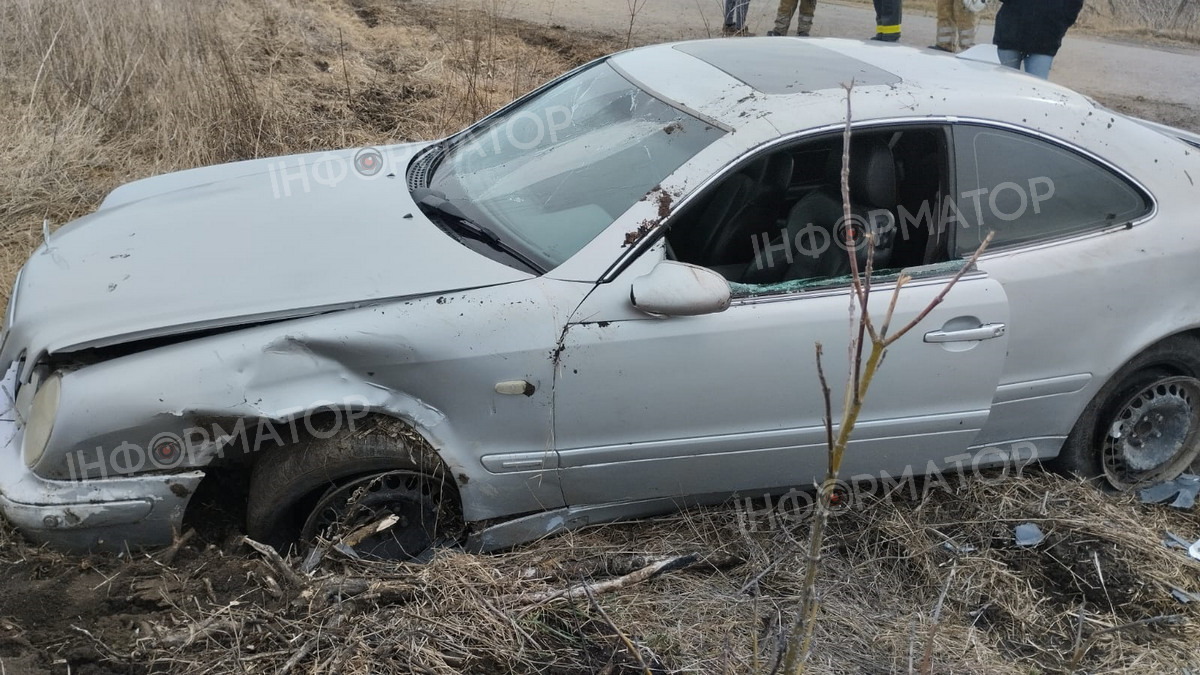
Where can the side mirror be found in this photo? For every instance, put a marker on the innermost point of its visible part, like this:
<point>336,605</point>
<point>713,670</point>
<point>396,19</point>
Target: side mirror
<point>679,289</point>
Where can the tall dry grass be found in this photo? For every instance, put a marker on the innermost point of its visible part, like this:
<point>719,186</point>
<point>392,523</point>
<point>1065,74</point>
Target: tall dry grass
<point>1170,19</point>
<point>95,94</point>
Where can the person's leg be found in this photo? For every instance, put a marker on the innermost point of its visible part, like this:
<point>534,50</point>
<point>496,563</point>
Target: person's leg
<point>945,24</point>
<point>1039,65</point>
<point>1010,58</point>
<point>730,9</point>
<point>783,17</point>
<point>887,20</point>
<point>966,21</point>
<point>739,13</point>
<point>808,9</point>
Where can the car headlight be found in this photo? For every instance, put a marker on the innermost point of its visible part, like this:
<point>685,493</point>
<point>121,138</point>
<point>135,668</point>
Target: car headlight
<point>40,421</point>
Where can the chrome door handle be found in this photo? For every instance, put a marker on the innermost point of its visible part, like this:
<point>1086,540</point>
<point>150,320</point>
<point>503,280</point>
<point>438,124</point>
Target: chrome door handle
<point>985,332</point>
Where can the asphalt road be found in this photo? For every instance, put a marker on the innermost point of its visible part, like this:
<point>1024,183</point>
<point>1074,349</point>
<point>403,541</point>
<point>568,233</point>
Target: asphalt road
<point>1158,82</point>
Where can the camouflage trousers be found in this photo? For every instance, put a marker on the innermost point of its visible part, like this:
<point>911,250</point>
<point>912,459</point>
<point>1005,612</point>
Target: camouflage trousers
<point>784,17</point>
<point>955,25</point>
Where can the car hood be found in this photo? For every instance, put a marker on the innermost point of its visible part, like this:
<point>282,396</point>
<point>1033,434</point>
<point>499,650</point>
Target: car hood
<point>232,251</point>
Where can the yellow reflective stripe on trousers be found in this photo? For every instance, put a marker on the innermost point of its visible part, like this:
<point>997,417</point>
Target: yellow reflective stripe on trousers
<point>887,30</point>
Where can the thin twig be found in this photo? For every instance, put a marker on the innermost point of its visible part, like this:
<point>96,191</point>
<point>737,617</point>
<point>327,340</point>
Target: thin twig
<point>1079,630</point>
<point>825,395</point>
<point>299,656</point>
<point>168,556</point>
<point>276,561</point>
<point>577,592</point>
<point>41,66</point>
<point>847,210</point>
<point>345,70</point>
<point>855,348</point>
<point>927,659</point>
<point>1083,649</point>
<point>887,341</point>
<point>629,646</point>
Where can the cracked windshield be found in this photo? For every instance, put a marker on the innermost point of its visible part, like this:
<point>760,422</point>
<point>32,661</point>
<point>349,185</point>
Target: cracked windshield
<point>550,174</point>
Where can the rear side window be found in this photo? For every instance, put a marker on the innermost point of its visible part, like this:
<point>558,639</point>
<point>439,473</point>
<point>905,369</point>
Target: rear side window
<point>1028,190</point>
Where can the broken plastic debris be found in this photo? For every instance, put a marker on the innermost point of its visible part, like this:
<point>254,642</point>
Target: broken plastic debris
<point>1184,596</point>
<point>1184,489</point>
<point>312,560</point>
<point>345,550</point>
<point>1028,534</point>
<point>1175,541</point>
<point>958,548</point>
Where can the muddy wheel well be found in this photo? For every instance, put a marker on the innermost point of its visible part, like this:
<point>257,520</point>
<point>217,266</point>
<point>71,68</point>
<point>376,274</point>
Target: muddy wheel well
<point>217,508</point>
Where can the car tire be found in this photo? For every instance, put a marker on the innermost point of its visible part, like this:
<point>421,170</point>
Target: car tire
<point>1166,375</point>
<point>288,485</point>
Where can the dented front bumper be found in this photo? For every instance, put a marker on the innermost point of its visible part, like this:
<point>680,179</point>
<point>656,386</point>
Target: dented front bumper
<point>88,515</point>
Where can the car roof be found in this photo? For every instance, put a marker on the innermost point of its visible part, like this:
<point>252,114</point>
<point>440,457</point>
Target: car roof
<point>785,66</point>
<point>797,83</point>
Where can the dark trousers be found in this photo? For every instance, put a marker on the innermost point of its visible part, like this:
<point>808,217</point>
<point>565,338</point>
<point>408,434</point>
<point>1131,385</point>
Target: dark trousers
<point>887,20</point>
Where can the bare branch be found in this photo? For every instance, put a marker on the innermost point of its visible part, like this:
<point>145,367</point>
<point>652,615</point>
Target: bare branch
<point>864,323</point>
<point>629,646</point>
<point>635,7</point>
<point>940,296</point>
<point>867,283</point>
<point>854,349</point>
<point>847,213</point>
<point>276,561</point>
<point>825,393</point>
<point>891,310</point>
<point>577,592</point>
<point>927,659</point>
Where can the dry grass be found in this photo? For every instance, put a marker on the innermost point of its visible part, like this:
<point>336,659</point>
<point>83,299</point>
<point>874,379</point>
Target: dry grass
<point>1143,19</point>
<point>1007,609</point>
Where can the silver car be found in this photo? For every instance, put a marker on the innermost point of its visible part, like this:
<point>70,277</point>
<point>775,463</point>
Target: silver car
<point>601,301</point>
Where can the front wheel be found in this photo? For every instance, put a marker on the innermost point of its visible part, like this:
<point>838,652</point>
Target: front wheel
<point>1143,426</point>
<point>385,495</point>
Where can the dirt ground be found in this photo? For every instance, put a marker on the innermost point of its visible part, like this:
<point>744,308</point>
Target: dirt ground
<point>277,77</point>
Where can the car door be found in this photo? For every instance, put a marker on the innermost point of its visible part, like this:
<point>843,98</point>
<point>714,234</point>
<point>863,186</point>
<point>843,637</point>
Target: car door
<point>652,407</point>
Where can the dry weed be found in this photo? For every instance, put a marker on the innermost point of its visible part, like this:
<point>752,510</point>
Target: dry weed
<point>888,561</point>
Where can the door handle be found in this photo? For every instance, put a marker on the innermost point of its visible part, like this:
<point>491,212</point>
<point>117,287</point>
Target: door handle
<point>987,331</point>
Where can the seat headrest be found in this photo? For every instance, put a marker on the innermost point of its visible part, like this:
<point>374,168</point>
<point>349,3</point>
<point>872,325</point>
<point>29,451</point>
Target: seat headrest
<point>773,173</point>
<point>872,173</point>
<point>778,175</point>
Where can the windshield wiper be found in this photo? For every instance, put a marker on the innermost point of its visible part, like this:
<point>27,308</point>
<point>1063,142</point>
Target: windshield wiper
<point>434,201</point>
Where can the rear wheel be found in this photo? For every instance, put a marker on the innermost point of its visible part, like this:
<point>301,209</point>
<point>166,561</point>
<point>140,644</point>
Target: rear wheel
<point>1143,427</point>
<point>385,494</point>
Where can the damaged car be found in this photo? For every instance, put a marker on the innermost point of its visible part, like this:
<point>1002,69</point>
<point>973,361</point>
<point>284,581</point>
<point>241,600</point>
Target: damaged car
<point>600,302</point>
